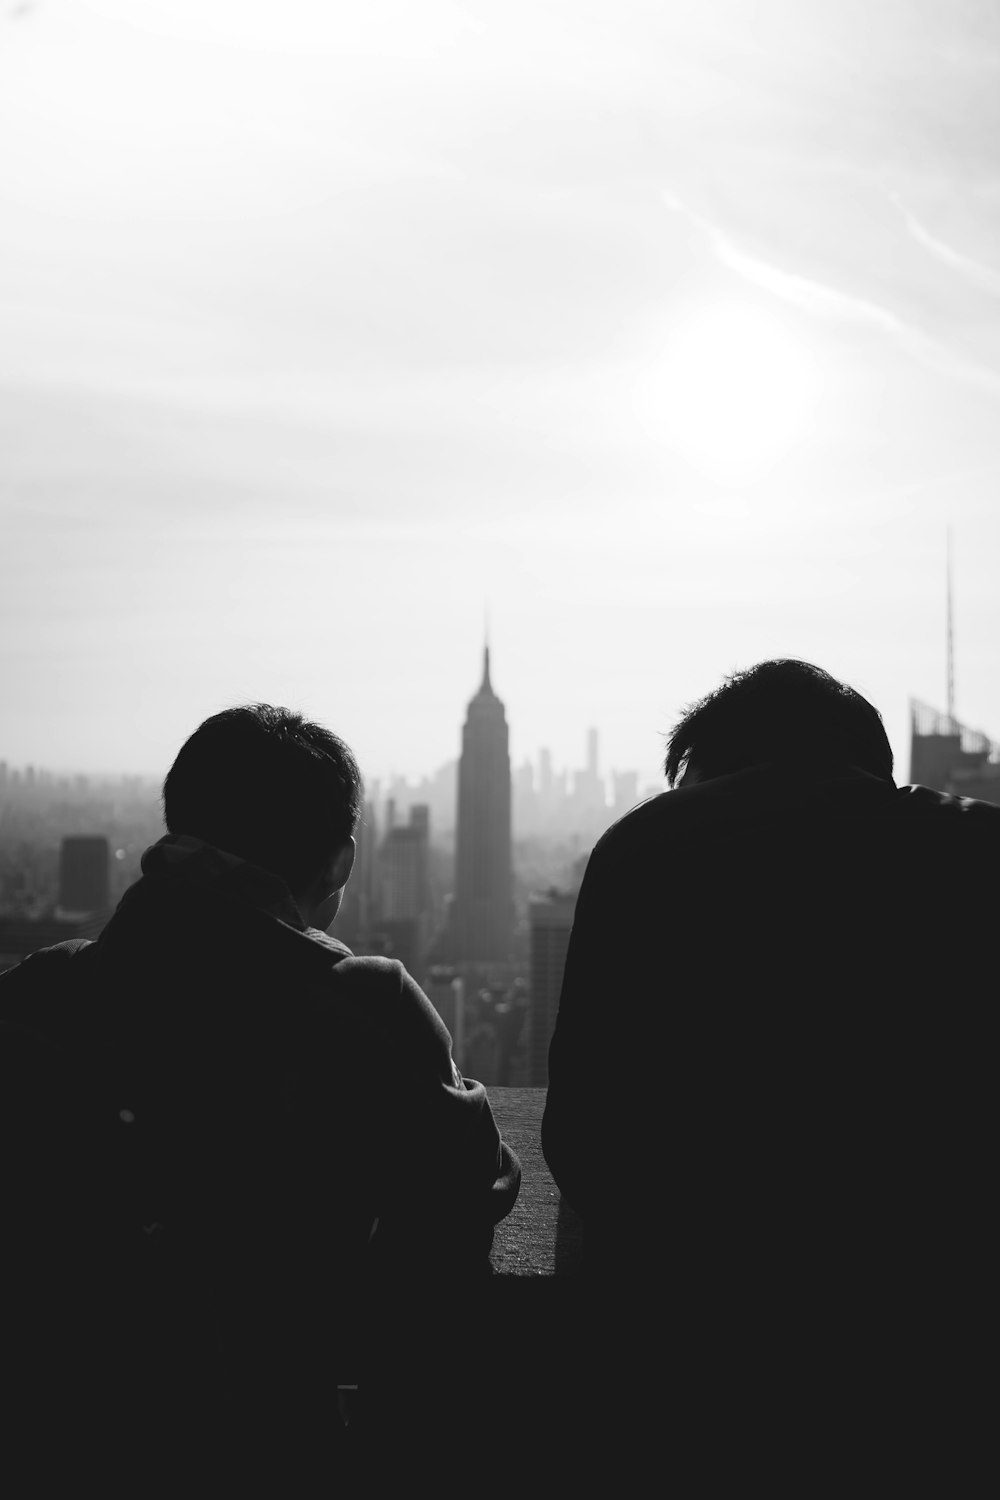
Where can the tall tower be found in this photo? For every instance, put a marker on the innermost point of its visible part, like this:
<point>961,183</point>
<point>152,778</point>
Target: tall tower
<point>405,888</point>
<point>944,753</point>
<point>951,643</point>
<point>482,912</point>
<point>84,874</point>
<point>551,924</point>
<point>592,770</point>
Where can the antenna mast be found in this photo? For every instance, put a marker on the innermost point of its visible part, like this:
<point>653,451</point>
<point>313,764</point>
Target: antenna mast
<point>951,643</point>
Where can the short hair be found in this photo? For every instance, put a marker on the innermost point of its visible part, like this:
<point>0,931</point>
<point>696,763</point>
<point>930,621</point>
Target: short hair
<point>267,785</point>
<point>784,711</point>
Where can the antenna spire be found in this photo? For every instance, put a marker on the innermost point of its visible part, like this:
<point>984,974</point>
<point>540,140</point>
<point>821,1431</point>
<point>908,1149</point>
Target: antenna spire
<point>486,649</point>
<point>951,641</point>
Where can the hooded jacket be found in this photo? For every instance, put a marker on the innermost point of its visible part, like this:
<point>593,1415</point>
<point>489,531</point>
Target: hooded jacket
<point>307,1141</point>
<point>798,959</point>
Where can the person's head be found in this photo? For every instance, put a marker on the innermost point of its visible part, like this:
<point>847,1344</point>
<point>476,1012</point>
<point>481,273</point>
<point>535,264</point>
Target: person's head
<point>786,713</point>
<point>269,786</point>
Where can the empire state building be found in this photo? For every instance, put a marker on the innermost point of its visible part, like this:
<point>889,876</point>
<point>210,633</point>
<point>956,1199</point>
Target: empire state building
<point>482,913</point>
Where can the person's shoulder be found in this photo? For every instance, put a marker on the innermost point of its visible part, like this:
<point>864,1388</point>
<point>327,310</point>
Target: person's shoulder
<point>919,801</point>
<point>381,992</point>
<point>339,971</point>
<point>43,991</point>
<point>956,838</point>
<point>45,968</point>
<point>672,813</point>
<point>636,823</point>
<point>43,959</point>
<point>368,971</point>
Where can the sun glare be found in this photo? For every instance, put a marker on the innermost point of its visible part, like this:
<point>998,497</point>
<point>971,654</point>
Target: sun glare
<point>733,391</point>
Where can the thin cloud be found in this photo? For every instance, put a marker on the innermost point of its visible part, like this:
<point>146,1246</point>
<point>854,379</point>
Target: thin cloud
<point>986,278</point>
<point>821,300</point>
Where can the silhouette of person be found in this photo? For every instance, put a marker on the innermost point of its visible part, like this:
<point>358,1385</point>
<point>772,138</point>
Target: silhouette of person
<point>770,1081</point>
<point>311,1160</point>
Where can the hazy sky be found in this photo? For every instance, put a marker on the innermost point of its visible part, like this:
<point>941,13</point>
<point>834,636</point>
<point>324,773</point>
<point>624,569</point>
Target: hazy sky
<point>669,332</point>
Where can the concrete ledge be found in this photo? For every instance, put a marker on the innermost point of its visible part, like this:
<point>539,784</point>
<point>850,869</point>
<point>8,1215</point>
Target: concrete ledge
<point>541,1236</point>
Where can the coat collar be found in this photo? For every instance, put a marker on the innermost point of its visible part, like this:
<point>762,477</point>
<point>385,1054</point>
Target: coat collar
<point>219,873</point>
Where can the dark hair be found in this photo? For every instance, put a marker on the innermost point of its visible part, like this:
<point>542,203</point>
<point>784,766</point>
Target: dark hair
<point>786,712</point>
<point>267,785</point>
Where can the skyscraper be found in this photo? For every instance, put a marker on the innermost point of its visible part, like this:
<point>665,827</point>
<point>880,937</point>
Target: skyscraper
<point>358,914</point>
<point>592,770</point>
<point>551,924</point>
<point>84,874</point>
<point>404,882</point>
<point>482,910</point>
<point>625,786</point>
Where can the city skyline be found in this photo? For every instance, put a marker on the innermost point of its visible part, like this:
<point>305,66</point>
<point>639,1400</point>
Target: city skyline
<point>541,760</point>
<point>413,786</point>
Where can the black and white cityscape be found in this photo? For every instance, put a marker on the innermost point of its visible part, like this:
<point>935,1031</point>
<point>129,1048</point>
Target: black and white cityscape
<point>499,527</point>
<point>468,877</point>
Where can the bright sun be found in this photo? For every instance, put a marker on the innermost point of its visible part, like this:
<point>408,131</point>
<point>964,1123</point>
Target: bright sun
<point>731,393</point>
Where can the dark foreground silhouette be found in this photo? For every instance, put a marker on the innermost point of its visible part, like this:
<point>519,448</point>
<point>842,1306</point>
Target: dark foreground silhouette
<point>240,1169</point>
<point>772,1090</point>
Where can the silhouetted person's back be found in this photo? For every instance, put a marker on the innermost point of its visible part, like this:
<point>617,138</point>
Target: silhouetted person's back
<point>295,1172</point>
<point>771,1077</point>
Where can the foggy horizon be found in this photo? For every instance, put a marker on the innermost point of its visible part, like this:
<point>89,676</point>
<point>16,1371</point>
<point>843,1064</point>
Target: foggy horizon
<point>383,778</point>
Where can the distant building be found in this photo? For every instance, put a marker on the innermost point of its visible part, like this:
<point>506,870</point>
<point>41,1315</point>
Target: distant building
<point>401,938</point>
<point>436,792</point>
<point>403,867</point>
<point>84,875</point>
<point>950,757</point>
<point>83,907</point>
<point>359,907</point>
<point>482,911</point>
<point>944,753</point>
<point>588,808</point>
<point>545,772</point>
<point>445,988</point>
<point>525,804</point>
<point>625,791</point>
<point>404,887</point>
<point>551,918</point>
